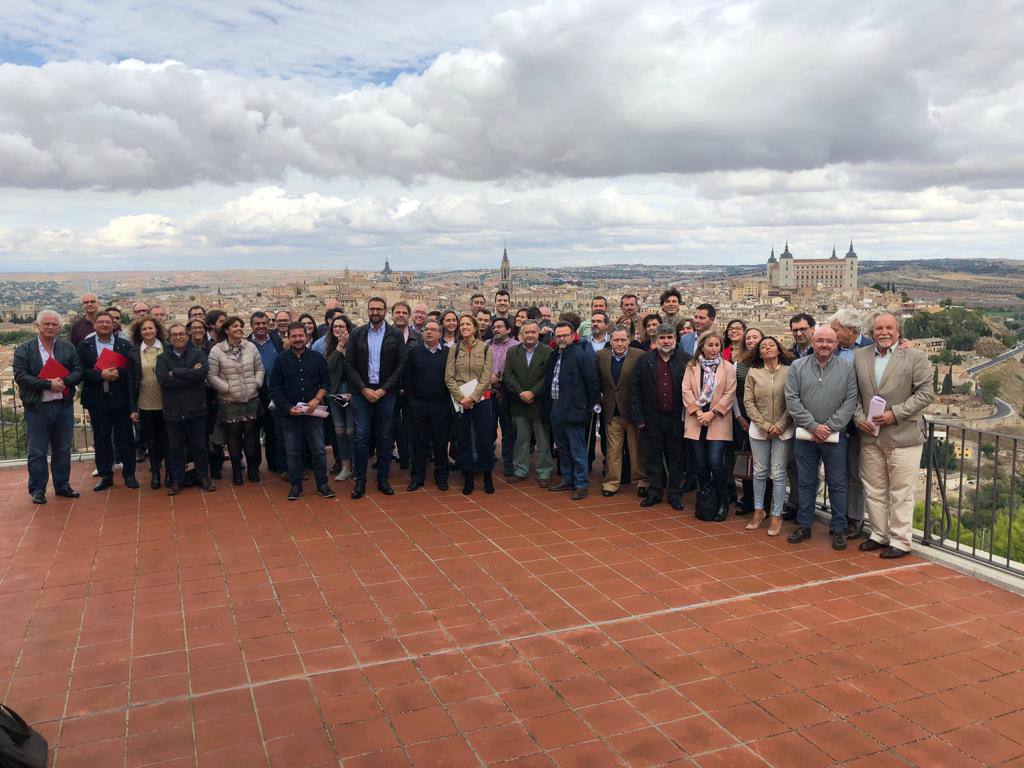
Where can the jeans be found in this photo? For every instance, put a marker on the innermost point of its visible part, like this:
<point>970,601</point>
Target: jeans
<point>113,427</point>
<point>401,428</point>
<point>538,429</point>
<point>571,442</point>
<point>508,439</point>
<point>770,460</point>
<point>308,431</point>
<point>191,433</point>
<point>431,423</point>
<point>663,455</point>
<point>809,455</point>
<point>477,422</point>
<point>49,426</point>
<point>710,458</point>
<point>367,416</point>
<point>341,419</point>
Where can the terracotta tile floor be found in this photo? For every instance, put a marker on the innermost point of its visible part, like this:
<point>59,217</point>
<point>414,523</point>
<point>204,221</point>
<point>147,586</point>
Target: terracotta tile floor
<point>237,629</point>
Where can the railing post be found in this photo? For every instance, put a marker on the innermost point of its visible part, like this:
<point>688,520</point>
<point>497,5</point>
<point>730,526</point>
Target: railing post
<point>929,462</point>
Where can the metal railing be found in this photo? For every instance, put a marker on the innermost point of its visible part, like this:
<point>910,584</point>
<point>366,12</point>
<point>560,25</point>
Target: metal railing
<point>12,424</point>
<point>973,503</point>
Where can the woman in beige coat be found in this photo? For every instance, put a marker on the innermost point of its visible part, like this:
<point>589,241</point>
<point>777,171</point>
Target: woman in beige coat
<point>709,388</point>
<point>236,373</point>
<point>470,360</point>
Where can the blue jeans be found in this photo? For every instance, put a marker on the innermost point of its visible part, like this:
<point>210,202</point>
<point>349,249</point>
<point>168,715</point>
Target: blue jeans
<point>367,416</point>
<point>709,456</point>
<point>341,420</point>
<point>302,431</point>
<point>571,442</point>
<point>770,460</point>
<point>477,422</point>
<point>809,455</point>
<point>49,426</point>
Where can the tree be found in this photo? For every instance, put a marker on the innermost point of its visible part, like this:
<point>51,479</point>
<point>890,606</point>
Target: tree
<point>935,379</point>
<point>989,383</point>
<point>946,303</point>
<point>947,382</point>
<point>947,357</point>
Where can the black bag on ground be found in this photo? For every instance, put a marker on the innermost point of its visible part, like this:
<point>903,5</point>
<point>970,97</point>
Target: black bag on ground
<point>706,506</point>
<point>20,745</point>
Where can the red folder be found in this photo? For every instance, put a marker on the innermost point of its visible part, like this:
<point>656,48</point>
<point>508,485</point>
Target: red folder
<point>110,359</point>
<point>53,369</point>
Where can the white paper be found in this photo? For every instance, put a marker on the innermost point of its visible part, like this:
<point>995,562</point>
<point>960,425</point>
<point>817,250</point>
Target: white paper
<point>469,387</point>
<point>803,434</point>
<point>319,412</point>
<point>876,408</point>
<point>758,434</point>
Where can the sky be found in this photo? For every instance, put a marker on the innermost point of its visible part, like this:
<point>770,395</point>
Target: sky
<point>137,135</point>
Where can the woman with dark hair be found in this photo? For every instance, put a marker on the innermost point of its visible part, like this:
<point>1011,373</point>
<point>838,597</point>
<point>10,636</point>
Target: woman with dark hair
<point>648,332</point>
<point>771,427</point>
<point>450,328</point>
<point>709,387</point>
<point>471,360</point>
<point>741,422</point>
<point>197,335</point>
<point>236,372</point>
<point>342,419</point>
<point>521,317</point>
<point>309,323</point>
<point>149,339</point>
<point>735,331</point>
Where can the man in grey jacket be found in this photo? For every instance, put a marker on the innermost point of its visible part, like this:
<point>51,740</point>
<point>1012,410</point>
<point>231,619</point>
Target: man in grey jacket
<point>821,394</point>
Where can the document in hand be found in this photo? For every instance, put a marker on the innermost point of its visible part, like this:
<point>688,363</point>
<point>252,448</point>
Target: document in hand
<point>467,390</point>
<point>803,434</point>
<point>319,412</point>
<point>54,369</point>
<point>110,359</point>
<point>876,408</point>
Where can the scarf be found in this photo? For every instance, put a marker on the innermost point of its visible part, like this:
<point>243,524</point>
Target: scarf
<point>710,369</point>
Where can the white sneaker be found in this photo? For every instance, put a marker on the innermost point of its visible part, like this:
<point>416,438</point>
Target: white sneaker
<point>118,465</point>
<point>345,474</point>
<point>95,473</point>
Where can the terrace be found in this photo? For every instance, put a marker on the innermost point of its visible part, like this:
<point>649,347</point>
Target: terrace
<point>237,629</point>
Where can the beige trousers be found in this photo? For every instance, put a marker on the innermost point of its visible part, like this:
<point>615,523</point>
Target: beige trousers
<point>618,431</point>
<point>889,476</point>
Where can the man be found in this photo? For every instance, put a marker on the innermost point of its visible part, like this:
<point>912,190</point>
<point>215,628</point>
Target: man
<point>282,320</point>
<point>891,442</point>
<point>703,321</point>
<point>373,361</point>
<point>429,406</point>
<point>115,318</point>
<point>419,316</point>
<point>630,318</point>
<point>84,325</point>
<point>821,395</point>
<point>597,304</point>
<point>477,302</point>
<point>503,305</point>
<point>181,370</point>
<point>269,346</point>
<point>573,389</point>
<point>108,394</point>
<point>159,313</point>
<point>196,312</point>
<point>656,408</point>
<point>526,370</point>
<point>671,302</point>
<point>594,343</point>
<point>49,404</point>
<point>139,310</point>
<point>483,320</point>
<point>501,342</point>
<point>545,314</point>
<point>616,366</point>
<point>400,316</point>
<point>597,339</point>
<point>298,384</point>
<point>801,326</point>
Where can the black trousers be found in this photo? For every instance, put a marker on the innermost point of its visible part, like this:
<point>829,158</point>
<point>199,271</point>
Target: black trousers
<point>156,437</point>
<point>270,438</point>
<point>431,424</point>
<point>663,451</point>
<point>113,426</point>
<point>190,433</point>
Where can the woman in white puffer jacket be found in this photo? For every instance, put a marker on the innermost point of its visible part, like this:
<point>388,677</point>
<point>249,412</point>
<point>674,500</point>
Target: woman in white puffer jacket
<point>236,373</point>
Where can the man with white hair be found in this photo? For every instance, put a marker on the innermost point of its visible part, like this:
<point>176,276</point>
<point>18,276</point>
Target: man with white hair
<point>848,324</point>
<point>46,370</point>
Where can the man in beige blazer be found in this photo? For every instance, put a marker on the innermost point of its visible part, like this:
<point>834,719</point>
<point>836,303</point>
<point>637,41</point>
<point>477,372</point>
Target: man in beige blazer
<point>891,442</point>
<point>615,366</point>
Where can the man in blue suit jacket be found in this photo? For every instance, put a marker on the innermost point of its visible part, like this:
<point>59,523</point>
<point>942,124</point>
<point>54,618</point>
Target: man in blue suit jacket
<point>573,389</point>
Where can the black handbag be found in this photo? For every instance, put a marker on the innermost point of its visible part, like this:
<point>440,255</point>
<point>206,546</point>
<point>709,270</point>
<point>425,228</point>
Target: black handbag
<point>706,506</point>
<point>20,745</point>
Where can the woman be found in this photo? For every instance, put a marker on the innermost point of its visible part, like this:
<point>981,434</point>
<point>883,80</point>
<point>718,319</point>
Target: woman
<point>149,339</point>
<point>648,333</point>
<point>309,323</point>
<point>449,328</point>
<point>735,332</point>
<point>341,414</point>
<point>771,427</point>
<point>236,372</point>
<point>741,421</point>
<point>521,316</point>
<point>709,388</point>
<point>471,360</point>
<point>198,336</point>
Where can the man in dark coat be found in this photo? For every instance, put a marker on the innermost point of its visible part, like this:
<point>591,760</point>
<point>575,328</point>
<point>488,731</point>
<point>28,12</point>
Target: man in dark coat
<point>525,375</point>
<point>573,389</point>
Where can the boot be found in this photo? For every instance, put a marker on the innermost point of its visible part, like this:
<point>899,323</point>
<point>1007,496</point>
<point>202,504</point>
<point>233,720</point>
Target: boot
<point>467,487</point>
<point>253,472</point>
<point>154,482</point>
<point>236,474</point>
<point>216,461</point>
<point>723,512</point>
<point>488,483</point>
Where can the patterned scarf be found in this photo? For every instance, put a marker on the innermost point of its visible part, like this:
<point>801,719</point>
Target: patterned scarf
<point>709,368</point>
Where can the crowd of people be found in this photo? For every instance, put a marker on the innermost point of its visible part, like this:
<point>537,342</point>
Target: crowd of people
<point>669,404</point>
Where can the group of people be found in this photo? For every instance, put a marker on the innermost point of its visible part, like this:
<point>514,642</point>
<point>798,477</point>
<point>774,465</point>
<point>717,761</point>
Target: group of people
<point>674,405</point>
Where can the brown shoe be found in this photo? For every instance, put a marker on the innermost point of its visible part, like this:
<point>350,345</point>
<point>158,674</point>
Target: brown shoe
<point>544,482</point>
<point>579,493</point>
<point>756,520</point>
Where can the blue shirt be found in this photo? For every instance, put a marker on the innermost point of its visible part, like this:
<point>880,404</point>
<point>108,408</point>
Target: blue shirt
<point>881,363</point>
<point>687,342</point>
<point>268,353</point>
<point>374,341</point>
<point>847,354</point>
<point>297,379</point>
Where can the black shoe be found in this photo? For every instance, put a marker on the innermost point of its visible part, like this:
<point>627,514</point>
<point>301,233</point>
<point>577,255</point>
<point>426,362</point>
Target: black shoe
<point>295,493</point>
<point>385,487</point>
<point>103,484</point>
<point>335,468</point>
<point>326,491</point>
<point>579,494</point>
<point>788,514</point>
<point>488,482</point>
<point>173,489</point>
<point>869,546</point>
<point>442,485</point>
<point>800,534</point>
<point>855,529</point>
<point>415,485</point>
<point>723,513</point>
<point>39,497</point>
<point>208,485</point>
<point>561,486</point>
<point>650,500</point>
<point>839,541</point>
<point>236,476</point>
<point>642,492</point>
<point>67,493</point>
<point>131,482</point>
<point>468,485</point>
<point>677,504</point>
<point>606,494</point>
<point>359,489</point>
<point>154,481</point>
<point>891,553</point>
<point>253,473</point>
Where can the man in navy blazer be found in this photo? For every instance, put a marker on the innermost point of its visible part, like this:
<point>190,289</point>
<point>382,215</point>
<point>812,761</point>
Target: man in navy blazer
<point>109,396</point>
<point>573,390</point>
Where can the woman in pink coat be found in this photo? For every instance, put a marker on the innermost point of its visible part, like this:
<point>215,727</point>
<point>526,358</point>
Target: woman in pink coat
<point>709,388</point>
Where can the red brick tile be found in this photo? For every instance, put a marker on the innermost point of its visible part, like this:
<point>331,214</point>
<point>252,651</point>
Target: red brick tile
<point>503,742</point>
<point>984,744</point>
<point>448,752</point>
<point>841,741</point>
<point>105,753</point>
<point>586,755</point>
<point>558,730</point>
<point>796,710</point>
<point>888,727</point>
<point>237,730</point>
<point>645,747</point>
<point>612,717</point>
<point>158,746</point>
<point>233,757</point>
<point>365,736</point>
<point>790,750</point>
<point>85,730</point>
<point>303,750</point>
<point>157,717</point>
<point>749,722</point>
<point>474,714</point>
<point>422,724</point>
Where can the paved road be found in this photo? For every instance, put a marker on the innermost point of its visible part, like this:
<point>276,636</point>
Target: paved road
<point>996,360</point>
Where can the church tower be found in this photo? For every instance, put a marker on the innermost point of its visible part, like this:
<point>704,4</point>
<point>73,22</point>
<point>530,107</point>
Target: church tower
<point>505,273</point>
